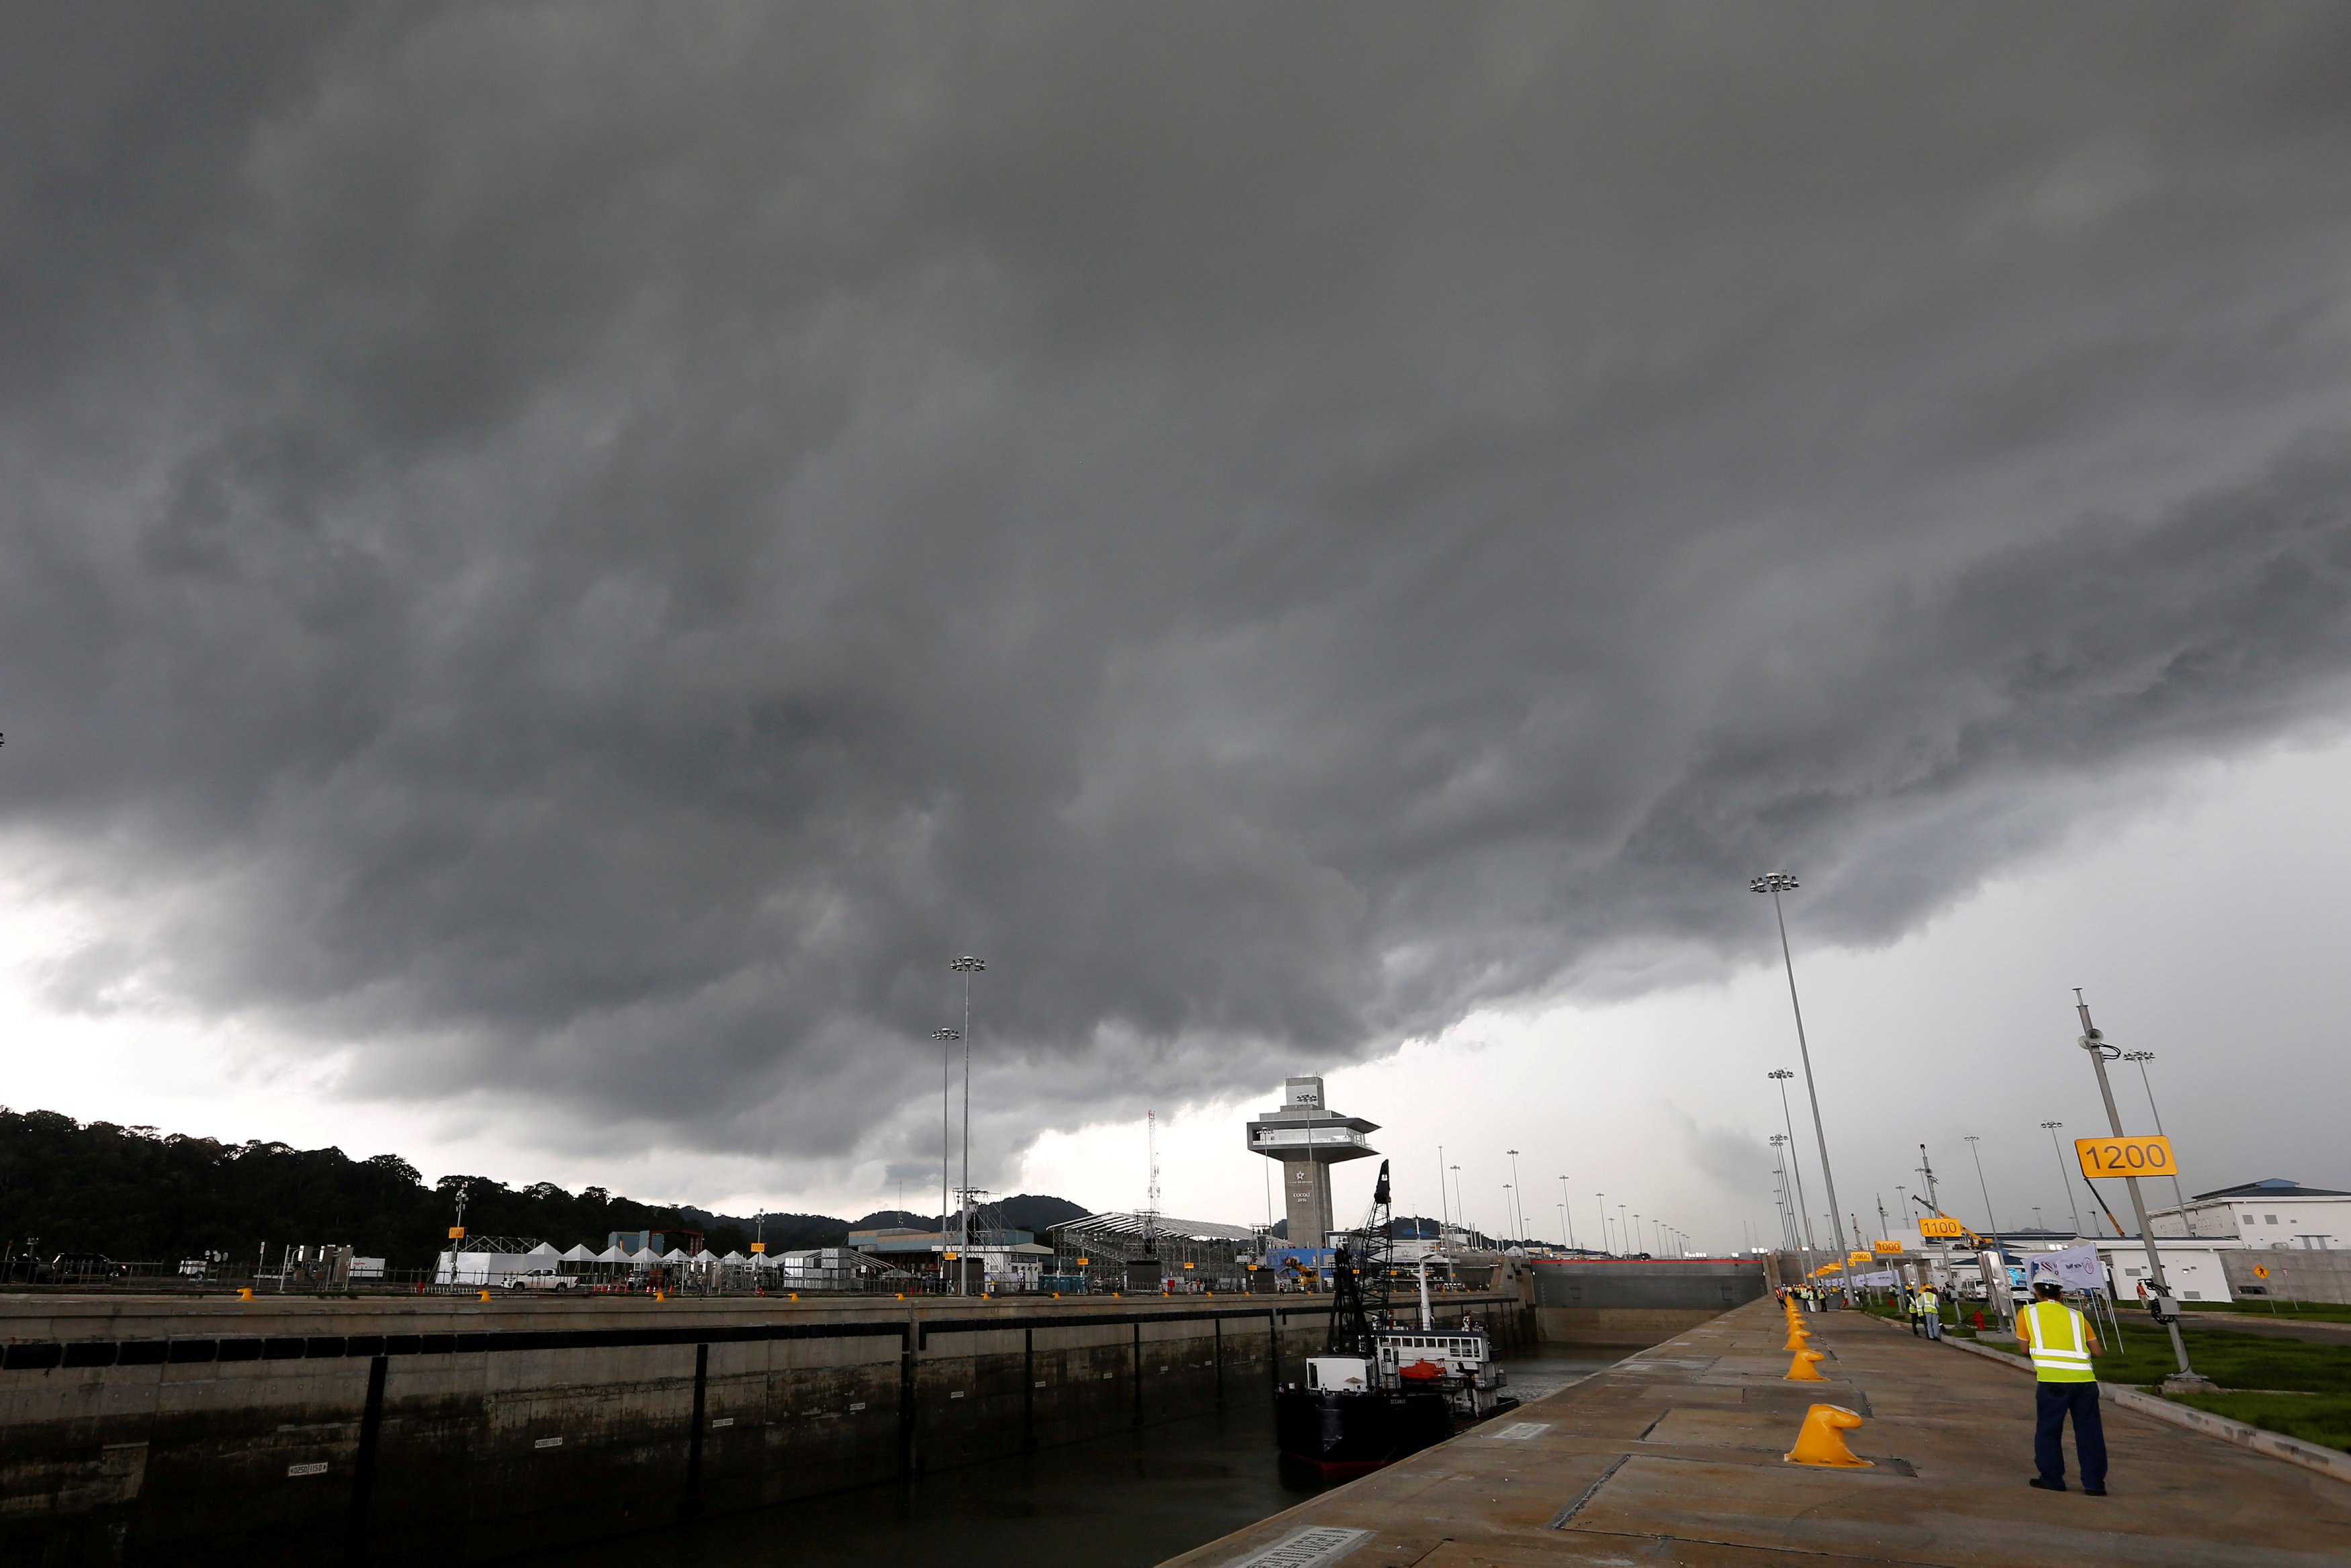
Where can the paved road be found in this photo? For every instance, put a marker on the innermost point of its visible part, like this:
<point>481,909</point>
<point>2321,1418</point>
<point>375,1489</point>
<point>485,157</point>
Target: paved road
<point>1674,1457</point>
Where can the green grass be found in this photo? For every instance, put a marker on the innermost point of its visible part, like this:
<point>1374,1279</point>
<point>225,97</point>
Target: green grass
<point>2233,1360</point>
<point>2286,1312</point>
<point>2313,1417</point>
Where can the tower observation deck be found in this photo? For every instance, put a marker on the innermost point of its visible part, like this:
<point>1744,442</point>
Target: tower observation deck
<point>1308,1138</point>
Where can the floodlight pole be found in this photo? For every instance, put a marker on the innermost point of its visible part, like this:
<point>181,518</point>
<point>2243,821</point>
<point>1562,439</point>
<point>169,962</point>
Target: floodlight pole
<point>1775,883</point>
<point>1567,1216</point>
<point>1970,1139</point>
<point>2094,1042</point>
<point>946,1037</point>
<point>2142,1058</point>
<point>1795,1166</point>
<point>1781,1199</point>
<point>965,966</point>
<point>2064,1175</point>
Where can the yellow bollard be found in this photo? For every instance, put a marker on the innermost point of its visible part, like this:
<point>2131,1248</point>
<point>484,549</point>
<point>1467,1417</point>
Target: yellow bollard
<point>1821,1439</point>
<point>486,1296</point>
<point>1799,1336</point>
<point>1805,1368</point>
<point>661,1295</point>
<point>244,1295</point>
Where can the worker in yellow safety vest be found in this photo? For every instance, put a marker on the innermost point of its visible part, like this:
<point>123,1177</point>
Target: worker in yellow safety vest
<point>1929,1309</point>
<point>2061,1343</point>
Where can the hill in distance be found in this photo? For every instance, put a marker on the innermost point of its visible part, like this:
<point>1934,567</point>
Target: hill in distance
<point>137,1193</point>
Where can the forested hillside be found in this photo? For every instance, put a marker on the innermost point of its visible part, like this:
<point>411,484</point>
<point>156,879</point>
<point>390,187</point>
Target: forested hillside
<point>136,1193</point>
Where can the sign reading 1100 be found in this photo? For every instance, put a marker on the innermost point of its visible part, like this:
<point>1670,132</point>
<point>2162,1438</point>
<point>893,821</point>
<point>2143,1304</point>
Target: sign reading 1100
<point>2125,1155</point>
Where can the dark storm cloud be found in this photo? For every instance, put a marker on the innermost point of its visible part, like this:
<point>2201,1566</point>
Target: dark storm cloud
<point>588,551</point>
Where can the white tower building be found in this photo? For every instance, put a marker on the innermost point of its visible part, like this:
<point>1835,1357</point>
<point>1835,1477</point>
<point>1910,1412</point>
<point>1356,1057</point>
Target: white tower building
<point>1308,1140</point>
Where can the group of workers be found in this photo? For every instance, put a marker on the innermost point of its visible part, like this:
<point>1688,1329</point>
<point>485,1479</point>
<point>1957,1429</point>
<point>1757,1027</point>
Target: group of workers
<point>2062,1344</point>
<point>1925,1309</point>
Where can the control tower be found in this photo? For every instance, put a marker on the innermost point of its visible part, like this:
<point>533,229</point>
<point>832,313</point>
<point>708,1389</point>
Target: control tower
<point>1308,1140</point>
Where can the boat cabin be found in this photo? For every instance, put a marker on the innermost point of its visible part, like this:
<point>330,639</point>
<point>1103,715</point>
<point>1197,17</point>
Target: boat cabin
<point>1460,1352</point>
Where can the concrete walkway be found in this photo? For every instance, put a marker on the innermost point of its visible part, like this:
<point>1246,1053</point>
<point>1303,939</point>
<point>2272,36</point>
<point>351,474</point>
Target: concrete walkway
<point>1674,1456</point>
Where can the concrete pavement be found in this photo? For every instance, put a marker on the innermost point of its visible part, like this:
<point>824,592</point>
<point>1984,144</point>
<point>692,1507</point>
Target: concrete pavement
<point>1673,1456</point>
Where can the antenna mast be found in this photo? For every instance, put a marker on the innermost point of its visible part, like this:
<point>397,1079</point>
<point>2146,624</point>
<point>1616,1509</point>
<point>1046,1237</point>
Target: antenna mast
<point>1927,1169</point>
<point>1151,1207</point>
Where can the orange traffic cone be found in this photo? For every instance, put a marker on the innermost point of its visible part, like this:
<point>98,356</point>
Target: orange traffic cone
<point>1821,1439</point>
<point>1799,1337</point>
<point>1804,1368</point>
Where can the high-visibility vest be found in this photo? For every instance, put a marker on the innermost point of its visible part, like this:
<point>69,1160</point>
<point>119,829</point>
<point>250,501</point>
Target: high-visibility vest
<point>1926,1302</point>
<point>2061,1343</point>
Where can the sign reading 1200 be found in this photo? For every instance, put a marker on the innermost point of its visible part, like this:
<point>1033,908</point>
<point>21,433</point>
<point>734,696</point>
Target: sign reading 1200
<point>2125,1155</point>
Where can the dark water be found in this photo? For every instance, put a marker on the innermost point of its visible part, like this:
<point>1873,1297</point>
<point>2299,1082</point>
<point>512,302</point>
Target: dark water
<point>1124,1501</point>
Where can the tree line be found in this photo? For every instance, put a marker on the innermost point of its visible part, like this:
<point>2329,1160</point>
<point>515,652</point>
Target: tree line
<point>139,1194</point>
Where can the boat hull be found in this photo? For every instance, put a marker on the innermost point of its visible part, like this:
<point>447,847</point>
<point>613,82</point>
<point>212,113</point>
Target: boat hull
<point>1344,1433</point>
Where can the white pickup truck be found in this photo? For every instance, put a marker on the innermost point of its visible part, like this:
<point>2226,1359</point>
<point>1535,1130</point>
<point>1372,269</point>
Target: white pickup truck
<point>545,1279</point>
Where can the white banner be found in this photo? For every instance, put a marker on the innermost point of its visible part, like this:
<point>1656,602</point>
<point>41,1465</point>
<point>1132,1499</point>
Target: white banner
<point>2076,1268</point>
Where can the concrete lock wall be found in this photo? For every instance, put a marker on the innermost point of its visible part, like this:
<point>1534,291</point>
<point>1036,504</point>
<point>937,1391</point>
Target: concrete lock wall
<point>2295,1274</point>
<point>137,1429</point>
<point>1605,1301</point>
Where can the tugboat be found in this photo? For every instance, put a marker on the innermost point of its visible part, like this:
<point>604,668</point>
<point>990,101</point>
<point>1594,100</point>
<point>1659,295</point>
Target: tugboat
<point>1379,1393</point>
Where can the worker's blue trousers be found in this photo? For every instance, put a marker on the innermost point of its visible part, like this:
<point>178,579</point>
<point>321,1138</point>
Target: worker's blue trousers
<point>2054,1402</point>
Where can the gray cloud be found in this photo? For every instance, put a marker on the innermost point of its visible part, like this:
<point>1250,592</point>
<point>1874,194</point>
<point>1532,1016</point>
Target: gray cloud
<point>589,552</point>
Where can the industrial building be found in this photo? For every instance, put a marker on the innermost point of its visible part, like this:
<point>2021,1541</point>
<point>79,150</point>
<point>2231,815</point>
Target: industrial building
<point>1008,1258</point>
<point>1117,1252</point>
<point>2273,1212</point>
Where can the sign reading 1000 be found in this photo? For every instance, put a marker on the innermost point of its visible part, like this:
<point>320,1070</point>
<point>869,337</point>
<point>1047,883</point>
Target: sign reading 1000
<point>2125,1155</point>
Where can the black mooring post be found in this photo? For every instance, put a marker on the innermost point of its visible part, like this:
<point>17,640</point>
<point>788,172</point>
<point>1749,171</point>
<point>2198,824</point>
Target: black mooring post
<point>693,1503</point>
<point>355,1525</point>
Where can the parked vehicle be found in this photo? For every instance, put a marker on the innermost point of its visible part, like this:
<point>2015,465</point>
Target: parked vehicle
<point>80,1266</point>
<point>545,1279</point>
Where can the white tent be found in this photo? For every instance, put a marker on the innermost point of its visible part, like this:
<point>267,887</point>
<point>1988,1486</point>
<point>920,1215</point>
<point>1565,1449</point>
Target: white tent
<point>675,1255</point>
<point>733,1258</point>
<point>545,1249</point>
<point>582,1253</point>
<point>644,1257</point>
<point>613,1255</point>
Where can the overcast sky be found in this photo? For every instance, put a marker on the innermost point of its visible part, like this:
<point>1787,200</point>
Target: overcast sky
<point>559,563</point>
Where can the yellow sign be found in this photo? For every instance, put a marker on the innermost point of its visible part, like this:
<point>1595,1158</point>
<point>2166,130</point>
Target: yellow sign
<point>1857,1257</point>
<point>758,1246</point>
<point>456,1232</point>
<point>1889,1246</point>
<point>2261,1270</point>
<point>2125,1155</point>
<point>1936,1225</point>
